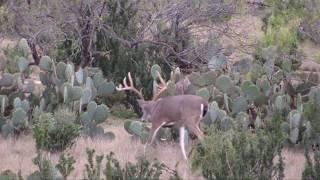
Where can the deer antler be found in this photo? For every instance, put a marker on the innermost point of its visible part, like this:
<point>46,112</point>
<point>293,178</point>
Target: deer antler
<point>129,87</point>
<point>162,87</point>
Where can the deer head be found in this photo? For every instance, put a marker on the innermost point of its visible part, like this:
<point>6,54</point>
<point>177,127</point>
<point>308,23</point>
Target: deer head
<point>146,106</point>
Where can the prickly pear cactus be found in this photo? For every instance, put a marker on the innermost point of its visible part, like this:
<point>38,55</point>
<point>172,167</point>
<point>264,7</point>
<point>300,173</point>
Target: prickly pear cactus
<point>282,103</point>
<point>7,80</point>
<point>106,89</point>
<point>224,83</point>
<point>72,87</point>
<point>19,119</point>
<point>217,62</point>
<point>23,46</point>
<point>138,129</point>
<point>46,63</point>
<point>95,115</point>
<point>213,114</point>
<point>295,123</point>
<point>204,93</point>
<point>155,69</point>
<point>3,103</point>
<point>240,104</point>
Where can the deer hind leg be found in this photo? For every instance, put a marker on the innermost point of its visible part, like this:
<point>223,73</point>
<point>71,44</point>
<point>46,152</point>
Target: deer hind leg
<point>152,135</point>
<point>194,128</point>
<point>182,141</point>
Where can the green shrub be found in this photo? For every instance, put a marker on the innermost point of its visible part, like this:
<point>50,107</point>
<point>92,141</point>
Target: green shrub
<point>55,132</point>
<point>312,167</point>
<point>9,175</point>
<point>65,165</point>
<point>45,169</point>
<point>142,170</point>
<point>124,114</point>
<point>237,154</point>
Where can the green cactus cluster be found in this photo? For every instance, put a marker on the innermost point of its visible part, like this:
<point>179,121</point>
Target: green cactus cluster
<point>260,84</point>
<point>95,115</point>
<point>63,84</point>
<point>137,129</point>
<point>14,70</point>
<point>18,120</point>
<point>295,122</point>
<point>66,85</point>
<point>250,93</point>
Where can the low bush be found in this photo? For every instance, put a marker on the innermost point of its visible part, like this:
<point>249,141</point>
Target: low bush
<point>238,154</point>
<point>312,167</point>
<point>142,170</point>
<point>55,132</point>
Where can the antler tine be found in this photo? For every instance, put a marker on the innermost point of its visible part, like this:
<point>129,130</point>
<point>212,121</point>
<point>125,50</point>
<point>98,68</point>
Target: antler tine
<point>129,87</point>
<point>162,88</point>
<point>130,78</point>
<point>161,79</point>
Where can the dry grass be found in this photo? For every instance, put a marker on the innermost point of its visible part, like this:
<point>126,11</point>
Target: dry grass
<point>17,155</point>
<point>294,163</point>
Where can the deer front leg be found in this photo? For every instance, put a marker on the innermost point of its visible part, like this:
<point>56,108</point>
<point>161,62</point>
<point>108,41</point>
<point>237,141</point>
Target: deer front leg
<point>152,134</point>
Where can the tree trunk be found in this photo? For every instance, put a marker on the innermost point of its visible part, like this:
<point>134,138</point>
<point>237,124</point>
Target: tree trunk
<point>86,42</point>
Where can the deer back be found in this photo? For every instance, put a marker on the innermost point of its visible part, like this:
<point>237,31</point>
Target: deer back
<point>178,109</point>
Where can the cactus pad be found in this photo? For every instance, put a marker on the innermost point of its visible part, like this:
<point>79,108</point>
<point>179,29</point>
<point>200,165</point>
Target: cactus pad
<point>23,64</point>
<point>79,76</point>
<point>23,46</point>
<point>101,113</point>
<point>154,71</point>
<point>239,104</point>
<point>86,96</point>
<point>295,119</point>
<point>204,93</point>
<point>61,69</point>
<point>19,118</point>
<point>46,63</point>
<point>294,135</point>
<point>6,80</point>
<point>106,89</point>
<point>6,130</point>
<point>224,83</point>
<point>217,62</point>
<point>76,93</point>
<point>91,109</point>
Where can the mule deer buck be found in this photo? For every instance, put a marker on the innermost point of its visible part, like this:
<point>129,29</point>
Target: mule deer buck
<point>180,111</point>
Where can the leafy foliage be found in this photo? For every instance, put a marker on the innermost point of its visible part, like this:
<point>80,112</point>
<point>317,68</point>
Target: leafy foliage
<point>45,169</point>
<point>143,169</point>
<point>93,167</point>
<point>281,24</point>
<point>312,167</point>
<point>53,132</point>
<point>9,175</point>
<point>65,165</point>
<point>238,154</point>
